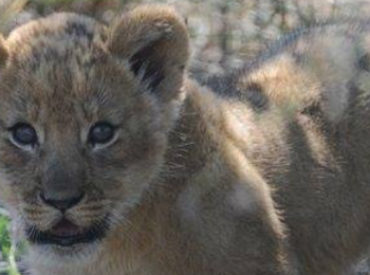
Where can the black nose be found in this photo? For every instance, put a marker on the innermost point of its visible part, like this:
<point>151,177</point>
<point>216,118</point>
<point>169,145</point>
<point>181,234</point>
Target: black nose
<point>64,204</point>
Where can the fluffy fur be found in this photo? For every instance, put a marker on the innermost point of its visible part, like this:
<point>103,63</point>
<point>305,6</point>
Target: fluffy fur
<point>265,174</point>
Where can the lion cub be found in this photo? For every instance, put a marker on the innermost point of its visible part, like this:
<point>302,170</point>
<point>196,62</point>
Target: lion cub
<point>113,161</point>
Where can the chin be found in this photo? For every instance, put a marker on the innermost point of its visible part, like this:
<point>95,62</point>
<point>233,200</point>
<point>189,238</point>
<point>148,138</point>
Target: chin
<point>66,243</point>
<point>56,256</point>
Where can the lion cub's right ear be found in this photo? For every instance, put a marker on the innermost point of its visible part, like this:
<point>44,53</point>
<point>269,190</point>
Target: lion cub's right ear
<point>3,51</point>
<point>154,40</point>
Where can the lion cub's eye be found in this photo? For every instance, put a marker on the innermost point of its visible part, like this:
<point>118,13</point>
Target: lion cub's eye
<point>101,133</point>
<point>23,134</point>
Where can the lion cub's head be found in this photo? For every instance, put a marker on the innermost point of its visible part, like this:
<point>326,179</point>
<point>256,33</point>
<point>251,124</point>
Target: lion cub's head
<point>84,114</point>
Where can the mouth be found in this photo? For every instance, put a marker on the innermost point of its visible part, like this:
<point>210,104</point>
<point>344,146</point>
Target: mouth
<point>65,233</point>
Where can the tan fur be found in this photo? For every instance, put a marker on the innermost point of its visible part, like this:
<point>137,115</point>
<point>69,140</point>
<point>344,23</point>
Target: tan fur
<point>268,178</point>
<point>162,33</point>
<point>3,51</point>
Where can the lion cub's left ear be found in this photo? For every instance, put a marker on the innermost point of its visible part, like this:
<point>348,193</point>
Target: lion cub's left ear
<point>154,40</point>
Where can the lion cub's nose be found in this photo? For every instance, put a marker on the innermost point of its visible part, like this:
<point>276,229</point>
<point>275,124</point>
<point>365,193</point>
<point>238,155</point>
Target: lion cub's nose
<point>64,204</point>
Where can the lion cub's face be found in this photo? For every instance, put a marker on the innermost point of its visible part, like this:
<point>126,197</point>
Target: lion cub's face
<point>83,123</point>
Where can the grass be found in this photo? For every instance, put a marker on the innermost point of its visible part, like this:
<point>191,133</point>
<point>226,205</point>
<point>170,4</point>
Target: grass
<point>7,249</point>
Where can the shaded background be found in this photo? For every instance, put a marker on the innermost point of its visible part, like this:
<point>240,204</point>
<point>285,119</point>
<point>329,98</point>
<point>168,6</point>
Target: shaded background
<point>224,35</point>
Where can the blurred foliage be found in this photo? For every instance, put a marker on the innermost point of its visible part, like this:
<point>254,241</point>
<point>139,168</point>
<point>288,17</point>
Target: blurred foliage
<point>7,250</point>
<point>5,242</point>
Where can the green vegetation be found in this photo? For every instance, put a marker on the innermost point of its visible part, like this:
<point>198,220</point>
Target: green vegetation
<point>6,248</point>
<point>5,243</point>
